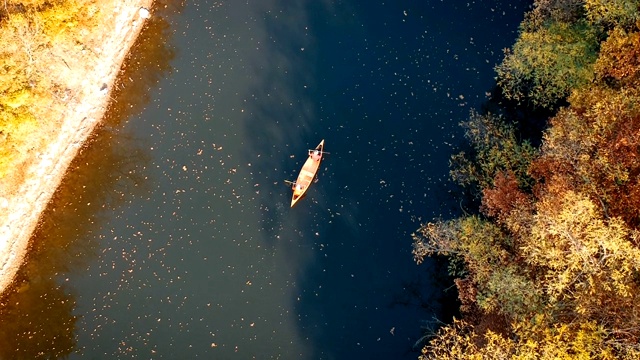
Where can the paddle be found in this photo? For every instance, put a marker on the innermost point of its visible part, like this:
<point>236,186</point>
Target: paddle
<point>321,152</point>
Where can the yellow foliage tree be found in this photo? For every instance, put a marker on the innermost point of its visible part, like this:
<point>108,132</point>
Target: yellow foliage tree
<point>579,248</point>
<point>530,340</point>
<point>612,12</point>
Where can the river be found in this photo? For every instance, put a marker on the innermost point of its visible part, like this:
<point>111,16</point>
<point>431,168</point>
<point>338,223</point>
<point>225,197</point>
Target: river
<point>172,237</point>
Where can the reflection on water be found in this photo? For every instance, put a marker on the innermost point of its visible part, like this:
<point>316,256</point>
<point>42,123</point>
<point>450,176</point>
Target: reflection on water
<point>37,322</point>
<point>37,315</point>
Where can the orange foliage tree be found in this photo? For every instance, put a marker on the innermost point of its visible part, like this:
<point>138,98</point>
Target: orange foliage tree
<point>594,147</point>
<point>620,57</point>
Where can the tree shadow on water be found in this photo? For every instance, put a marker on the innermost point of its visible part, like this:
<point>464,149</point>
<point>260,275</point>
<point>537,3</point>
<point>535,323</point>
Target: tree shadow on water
<point>37,311</point>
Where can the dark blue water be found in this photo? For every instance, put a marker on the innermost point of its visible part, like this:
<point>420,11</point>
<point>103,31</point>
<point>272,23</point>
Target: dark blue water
<point>173,238</point>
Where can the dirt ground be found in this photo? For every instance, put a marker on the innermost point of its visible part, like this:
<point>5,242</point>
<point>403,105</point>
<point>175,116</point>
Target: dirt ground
<point>87,75</point>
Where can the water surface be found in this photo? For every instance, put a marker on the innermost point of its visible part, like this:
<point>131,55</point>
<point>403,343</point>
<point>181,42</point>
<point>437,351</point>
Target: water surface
<point>173,237</point>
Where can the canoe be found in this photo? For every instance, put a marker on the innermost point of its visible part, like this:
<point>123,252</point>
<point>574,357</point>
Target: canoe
<point>307,173</point>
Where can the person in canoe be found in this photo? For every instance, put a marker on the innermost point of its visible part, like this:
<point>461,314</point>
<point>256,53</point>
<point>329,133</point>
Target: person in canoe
<point>308,173</point>
<point>315,155</point>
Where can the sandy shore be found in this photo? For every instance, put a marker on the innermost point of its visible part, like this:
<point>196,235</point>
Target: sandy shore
<point>94,75</point>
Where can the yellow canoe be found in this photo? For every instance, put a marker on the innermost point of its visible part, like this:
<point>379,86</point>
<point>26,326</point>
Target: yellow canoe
<point>307,173</point>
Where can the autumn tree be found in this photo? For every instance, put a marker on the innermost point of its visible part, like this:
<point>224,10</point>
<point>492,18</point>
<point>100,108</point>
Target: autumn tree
<point>549,59</point>
<point>611,13</point>
<point>37,39</point>
<point>508,204</point>
<point>488,253</point>
<point>556,10</point>
<point>587,260</point>
<point>571,298</point>
<point>553,257</point>
<point>496,148</point>
<point>619,57</point>
<point>593,147</point>
<point>530,340</point>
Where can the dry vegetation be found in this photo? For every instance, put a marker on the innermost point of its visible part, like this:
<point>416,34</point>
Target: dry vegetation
<point>59,60</point>
<point>47,48</point>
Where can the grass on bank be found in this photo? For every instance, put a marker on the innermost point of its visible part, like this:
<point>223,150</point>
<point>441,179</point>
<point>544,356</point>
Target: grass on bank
<point>41,42</point>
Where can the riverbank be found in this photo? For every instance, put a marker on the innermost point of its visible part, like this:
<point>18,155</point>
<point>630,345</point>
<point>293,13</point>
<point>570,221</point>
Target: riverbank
<point>87,76</point>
